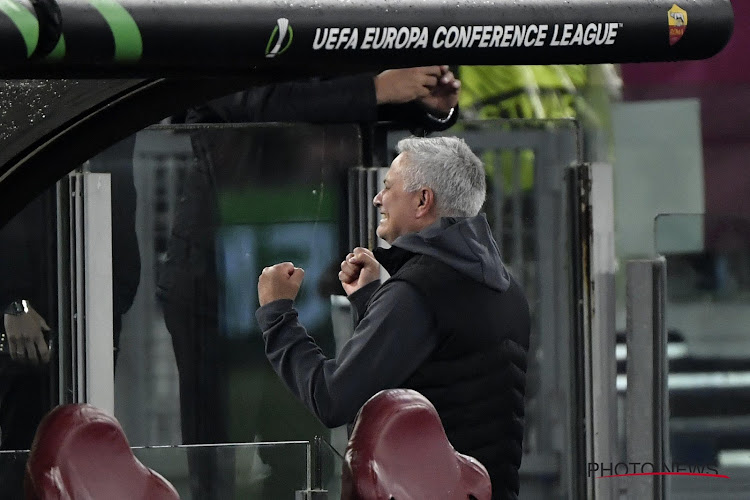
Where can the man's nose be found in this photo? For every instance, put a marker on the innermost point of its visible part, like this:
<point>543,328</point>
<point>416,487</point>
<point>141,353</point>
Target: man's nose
<point>377,201</point>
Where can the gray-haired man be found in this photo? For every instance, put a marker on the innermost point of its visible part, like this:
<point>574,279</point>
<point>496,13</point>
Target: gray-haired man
<point>451,322</point>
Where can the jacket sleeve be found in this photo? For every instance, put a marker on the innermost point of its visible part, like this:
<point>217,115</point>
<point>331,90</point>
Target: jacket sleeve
<point>359,299</point>
<point>27,250</point>
<point>346,99</point>
<point>393,338</point>
<point>418,118</point>
<point>338,100</point>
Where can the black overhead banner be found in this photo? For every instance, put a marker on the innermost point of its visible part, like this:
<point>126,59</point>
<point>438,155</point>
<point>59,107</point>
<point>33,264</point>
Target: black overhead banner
<point>223,37</point>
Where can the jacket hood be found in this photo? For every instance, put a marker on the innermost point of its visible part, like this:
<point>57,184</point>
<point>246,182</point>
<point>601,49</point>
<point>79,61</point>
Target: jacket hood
<point>464,243</point>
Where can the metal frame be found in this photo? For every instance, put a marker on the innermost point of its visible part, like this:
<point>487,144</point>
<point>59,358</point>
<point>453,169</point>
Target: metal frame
<point>97,233</point>
<point>578,182</point>
<point>88,376</point>
<point>601,354</point>
<point>647,397</point>
<point>363,215</point>
<point>65,274</point>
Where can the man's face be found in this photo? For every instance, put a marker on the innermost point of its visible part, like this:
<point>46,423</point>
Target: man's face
<point>398,208</point>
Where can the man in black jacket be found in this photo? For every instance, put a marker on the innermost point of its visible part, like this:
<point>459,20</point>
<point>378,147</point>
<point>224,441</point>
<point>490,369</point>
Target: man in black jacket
<point>451,322</point>
<point>421,98</point>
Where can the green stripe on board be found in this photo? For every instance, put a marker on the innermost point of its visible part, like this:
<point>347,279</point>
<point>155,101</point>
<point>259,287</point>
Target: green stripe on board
<point>58,52</point>
<point>128,42</point>
<point>25,21</point>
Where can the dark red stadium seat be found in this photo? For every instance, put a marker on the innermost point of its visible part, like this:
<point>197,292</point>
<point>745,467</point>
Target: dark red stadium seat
<point>80,452</point>
<point>398,449</point>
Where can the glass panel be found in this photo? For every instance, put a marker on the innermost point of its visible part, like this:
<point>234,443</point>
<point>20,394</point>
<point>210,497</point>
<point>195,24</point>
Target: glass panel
<point>30,109</point>
<point>244,472</point>
<point>216,204</point>
<point>28,271</point>
<point>526,162</point>
<point>12,468</point>
<point>707,313</point>
<point>327,470</point>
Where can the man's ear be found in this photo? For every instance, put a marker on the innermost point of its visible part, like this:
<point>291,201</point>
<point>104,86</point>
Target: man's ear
<point>426,202</point>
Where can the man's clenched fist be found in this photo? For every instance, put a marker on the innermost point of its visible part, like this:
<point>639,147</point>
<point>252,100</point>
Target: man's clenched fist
<point>358,269</point>
<point>281,281</point>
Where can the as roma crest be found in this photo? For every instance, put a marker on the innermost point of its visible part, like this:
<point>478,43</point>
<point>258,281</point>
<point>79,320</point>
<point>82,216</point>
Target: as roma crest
<point>678,20</point>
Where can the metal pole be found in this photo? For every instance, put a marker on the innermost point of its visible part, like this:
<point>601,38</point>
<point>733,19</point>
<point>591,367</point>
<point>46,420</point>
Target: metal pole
<point>646,398</point>
<point>318,470</point>
<point>97,281</point>
<point>603,363</point>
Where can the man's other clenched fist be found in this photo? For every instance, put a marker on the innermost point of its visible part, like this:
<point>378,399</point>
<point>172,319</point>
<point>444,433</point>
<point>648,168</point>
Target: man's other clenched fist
<point>281,281</point>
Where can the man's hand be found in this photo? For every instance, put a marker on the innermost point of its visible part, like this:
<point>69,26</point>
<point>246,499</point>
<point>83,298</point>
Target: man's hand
<point>281,281</point>
<point>25,338</point>
<point>443,96</point>
<point>397,86</point>
<point>434,86</point>
<point>358,269</point>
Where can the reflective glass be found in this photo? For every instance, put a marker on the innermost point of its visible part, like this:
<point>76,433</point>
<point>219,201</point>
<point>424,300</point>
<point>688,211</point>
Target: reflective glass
<point>12,467</point>
<point>30,109</point>
<point>29,330</point>
<point>243,471</point>
<point>327,470</point>
<point>233,470</point>
<point>216,204</point>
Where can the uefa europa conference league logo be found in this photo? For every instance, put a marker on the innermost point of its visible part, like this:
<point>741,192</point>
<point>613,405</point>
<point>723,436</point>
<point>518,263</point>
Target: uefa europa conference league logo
<point>447,37</point>
<point>280,39</point>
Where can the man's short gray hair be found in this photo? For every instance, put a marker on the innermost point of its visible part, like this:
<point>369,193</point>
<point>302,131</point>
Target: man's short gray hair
<point>448,167</point>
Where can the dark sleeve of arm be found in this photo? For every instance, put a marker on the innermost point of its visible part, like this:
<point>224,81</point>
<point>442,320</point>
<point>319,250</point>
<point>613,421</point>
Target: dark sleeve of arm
<point>338,100</point>
<point>24,256</point>
<point>416,117</point>
<point>359,299</point>
<point>348,99</point>
<point>393,338</point>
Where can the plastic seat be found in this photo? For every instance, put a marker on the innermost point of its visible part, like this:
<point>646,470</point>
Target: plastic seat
<point>398,450</point>
<point>80,452</point>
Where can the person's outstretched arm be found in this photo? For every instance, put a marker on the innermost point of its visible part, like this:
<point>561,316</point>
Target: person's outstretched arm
<point>419,97</point>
